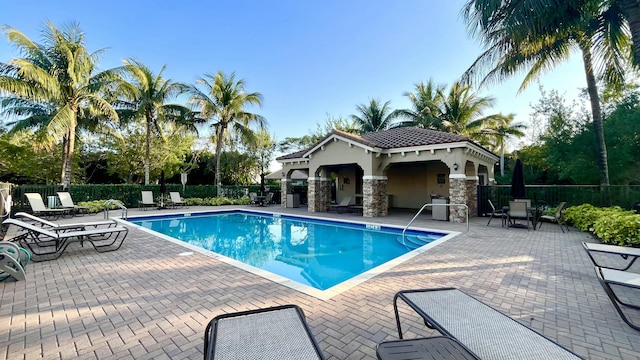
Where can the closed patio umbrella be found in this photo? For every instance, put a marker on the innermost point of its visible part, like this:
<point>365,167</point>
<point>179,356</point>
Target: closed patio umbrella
<point>518,190</point>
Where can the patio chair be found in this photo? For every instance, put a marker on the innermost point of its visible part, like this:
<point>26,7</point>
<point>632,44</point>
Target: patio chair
<point>267,199</point>
<point>279,332</point>
<point>176,200</point>
<point>254,199</point>
<point>45,244</point>
<point>622,280</point>
<point>147,199</point>
<point>518,210</point>
<point>65,227</point>
<point>67,202</point>
<point>497,213</point>
<point>629,254</point>
<point>484,331</point>
<point>557,217</point>
<point>343,205</point>
<point>38,207</point>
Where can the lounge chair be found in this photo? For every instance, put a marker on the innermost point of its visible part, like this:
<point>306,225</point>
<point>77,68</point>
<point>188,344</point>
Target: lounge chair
<point>66,227</point>
<point>629,254</point>
<point>518,210</point>
<point>557,217</point>
<point>67,202</point>
<point>176,200</point>
<point>48,245</point>
<point>279,332</point>
<point>147,200</point>
<point>622,280</point>
<point>436,347</point>
<point>487,333</point>
<point>497,213</point>
<point>15,268</point>
<point>38,207</point>
<point>343,205</point>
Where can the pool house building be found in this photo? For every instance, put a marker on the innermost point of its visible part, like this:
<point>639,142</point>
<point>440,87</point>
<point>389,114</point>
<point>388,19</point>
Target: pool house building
<point>403,167</point>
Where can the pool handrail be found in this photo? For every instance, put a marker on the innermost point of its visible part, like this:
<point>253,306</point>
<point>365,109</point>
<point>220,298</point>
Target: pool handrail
<point>430,204</point>
<point>117,203</point>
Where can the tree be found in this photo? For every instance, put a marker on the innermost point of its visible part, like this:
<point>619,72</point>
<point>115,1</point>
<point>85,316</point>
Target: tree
<point>425,106</point>
<point>223,103</point>
<point>146,97</point>
<point>290,144</point>
<point>518,36</point>
<point>54,86</point>
<point>374,116</point>
<point>498,130</point>
<point>457,111</point>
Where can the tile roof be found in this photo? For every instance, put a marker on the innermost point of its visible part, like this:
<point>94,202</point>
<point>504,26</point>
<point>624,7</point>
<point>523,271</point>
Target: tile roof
<point>400,137</point>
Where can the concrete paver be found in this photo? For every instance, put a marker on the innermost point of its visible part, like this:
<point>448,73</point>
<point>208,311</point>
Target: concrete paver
<point>144,301</point>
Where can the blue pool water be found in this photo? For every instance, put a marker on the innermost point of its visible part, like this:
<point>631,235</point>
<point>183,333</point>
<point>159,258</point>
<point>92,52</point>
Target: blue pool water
<point>317,253</point>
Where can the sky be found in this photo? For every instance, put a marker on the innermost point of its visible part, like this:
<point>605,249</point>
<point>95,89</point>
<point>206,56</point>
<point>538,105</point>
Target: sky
<point>310,60</point>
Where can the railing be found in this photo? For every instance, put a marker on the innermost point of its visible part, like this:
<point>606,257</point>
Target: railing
<point>117,203</point>
<point>427,205</point>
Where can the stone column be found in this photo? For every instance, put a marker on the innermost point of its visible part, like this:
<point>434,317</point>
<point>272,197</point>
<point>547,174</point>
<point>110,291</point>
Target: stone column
<point>457,195</point>
<point>471,185</point>
<point>318,194</point>
<point>375,200</point>
<point>285,185</point>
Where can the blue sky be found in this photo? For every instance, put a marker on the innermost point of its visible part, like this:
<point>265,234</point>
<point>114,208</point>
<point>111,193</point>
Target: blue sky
<point>309,59</point>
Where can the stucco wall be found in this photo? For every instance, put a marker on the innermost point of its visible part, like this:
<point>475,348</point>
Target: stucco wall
<point>411,185</point>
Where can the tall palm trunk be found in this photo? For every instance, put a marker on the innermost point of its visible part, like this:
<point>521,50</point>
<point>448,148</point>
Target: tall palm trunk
<point>596,111</point>
<point>631,9</point>
<point>147,152</point>
<point>69,156</point>
<point>218,178</point>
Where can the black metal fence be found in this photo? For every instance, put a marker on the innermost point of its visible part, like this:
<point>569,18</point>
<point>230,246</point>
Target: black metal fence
<point>625,196</point>
<point>129,194</point>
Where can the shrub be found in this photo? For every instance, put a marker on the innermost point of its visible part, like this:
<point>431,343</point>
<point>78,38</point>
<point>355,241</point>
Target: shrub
<point>96,206</point>
<point>612,225</point>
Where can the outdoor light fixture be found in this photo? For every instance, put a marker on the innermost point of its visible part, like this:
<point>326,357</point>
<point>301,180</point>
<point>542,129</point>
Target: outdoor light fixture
<point>455,166</point>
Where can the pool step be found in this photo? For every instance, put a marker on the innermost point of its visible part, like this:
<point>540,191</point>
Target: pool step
<point>414,241</point>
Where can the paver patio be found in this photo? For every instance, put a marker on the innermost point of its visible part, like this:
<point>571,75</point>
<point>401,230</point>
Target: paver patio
<point>147,301</point>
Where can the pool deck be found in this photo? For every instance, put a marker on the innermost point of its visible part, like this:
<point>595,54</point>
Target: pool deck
<point>148,300</point>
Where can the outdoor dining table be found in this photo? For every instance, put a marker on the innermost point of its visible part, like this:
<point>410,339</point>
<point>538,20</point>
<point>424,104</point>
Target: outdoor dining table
<point>534,211</point>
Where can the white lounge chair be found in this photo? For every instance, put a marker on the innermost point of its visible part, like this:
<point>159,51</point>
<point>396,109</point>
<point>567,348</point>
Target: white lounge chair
<point>629,255</point>
<point>38,207</point>
<point>486,332</point>
<point>279,332</point>
<point>176,200</point>
<point>66,227</point>
<point>147,199</point>
<point>45,244</point>
<point>621,280</point>
<point>67,202</point>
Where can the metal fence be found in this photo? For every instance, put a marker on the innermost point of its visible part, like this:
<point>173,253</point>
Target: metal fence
<point>625,196</point>
<point>128,194</point>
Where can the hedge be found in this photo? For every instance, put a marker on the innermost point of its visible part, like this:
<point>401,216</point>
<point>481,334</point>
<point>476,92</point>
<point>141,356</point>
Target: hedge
<point>612,225</point>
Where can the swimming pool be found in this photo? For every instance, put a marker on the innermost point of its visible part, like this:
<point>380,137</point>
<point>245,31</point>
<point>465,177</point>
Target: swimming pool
<point>317,256</point>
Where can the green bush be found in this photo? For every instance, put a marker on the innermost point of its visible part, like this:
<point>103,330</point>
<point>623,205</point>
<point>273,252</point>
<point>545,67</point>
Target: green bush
<point>582,217</point>
<point>96,206</point>
<point>612,225</point>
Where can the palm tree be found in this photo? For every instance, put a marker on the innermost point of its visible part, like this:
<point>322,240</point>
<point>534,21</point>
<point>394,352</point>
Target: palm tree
<point>462,109</point>
<point>223,103</point>
<point>500,128</point>
<point>54,86</point>
<point>425,102</point>
<point>146,97</point>
<point>374,117</point>
<point>538,46</point>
